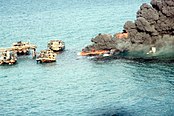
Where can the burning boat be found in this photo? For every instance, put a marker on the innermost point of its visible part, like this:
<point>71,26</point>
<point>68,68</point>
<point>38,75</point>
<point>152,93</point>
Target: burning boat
<point>56,45</point>
<point>93,52</point>
<point>46,56</point>
<point>101,53</point>
<point>7,56</point>
<point>150,36</point>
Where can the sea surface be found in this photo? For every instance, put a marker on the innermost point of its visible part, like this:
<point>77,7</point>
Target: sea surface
<point>74,85</point>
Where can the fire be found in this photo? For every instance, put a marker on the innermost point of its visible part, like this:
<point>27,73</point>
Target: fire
<point>121,35</point>
<point>93,52</point>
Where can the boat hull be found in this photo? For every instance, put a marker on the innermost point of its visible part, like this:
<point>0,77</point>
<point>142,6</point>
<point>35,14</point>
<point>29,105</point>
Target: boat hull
<point>45,60</point>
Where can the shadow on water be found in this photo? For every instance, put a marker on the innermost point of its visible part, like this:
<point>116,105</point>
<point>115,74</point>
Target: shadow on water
<point>111,112</point>
<point>138,60</point>
<point>138,57</point>
<point>143,70</point>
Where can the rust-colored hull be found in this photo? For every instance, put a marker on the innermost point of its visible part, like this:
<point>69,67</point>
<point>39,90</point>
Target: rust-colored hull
<point>93,53</point>
<point>45,60</point>
<point>10,62</point>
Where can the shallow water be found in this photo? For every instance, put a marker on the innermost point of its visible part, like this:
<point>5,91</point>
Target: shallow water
<point>75,85</point>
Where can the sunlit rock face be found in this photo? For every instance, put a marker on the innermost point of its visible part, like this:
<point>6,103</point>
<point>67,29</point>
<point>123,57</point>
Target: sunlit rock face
<point>153,27</point>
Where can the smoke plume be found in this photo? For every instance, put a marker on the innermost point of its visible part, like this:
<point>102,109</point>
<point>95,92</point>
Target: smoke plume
<point>153,27</point>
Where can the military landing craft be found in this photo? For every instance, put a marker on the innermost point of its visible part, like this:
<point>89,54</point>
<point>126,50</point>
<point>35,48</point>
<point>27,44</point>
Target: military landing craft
<point>7,56</point>
<point>23,48</point>
<point>56,45</point>
<point>46,56</point>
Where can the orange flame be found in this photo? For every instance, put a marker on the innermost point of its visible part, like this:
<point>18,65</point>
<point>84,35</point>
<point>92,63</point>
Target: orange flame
<point>121,35</point>
<point>93,52</point>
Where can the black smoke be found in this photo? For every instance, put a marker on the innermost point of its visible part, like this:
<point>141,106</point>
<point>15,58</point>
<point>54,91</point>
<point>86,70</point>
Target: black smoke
<point>153,27</point>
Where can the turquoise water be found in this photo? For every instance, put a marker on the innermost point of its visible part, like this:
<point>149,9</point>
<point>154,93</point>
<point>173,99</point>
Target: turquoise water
<point>77,86</point>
